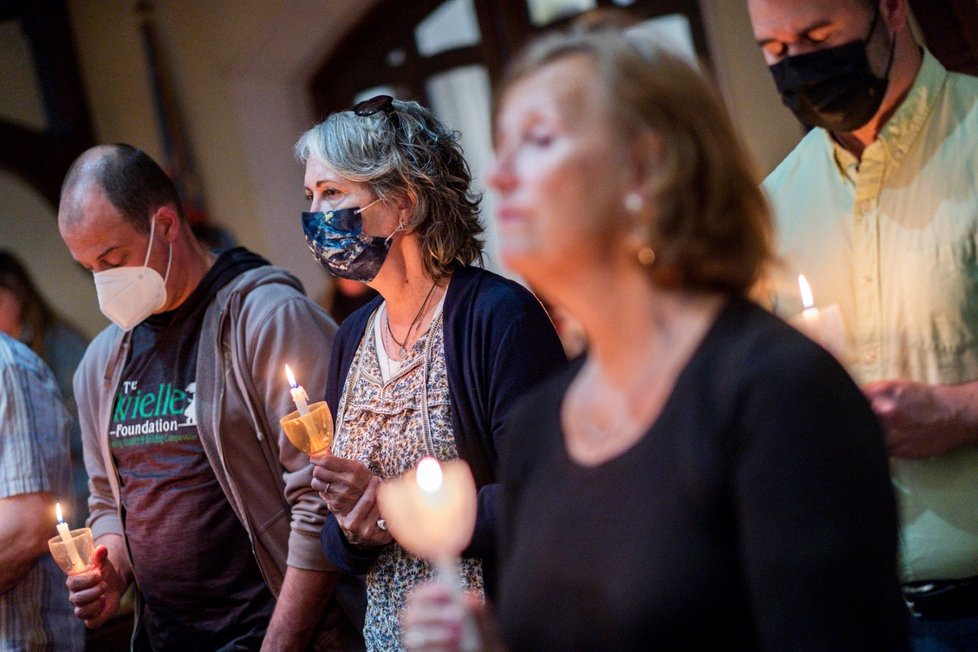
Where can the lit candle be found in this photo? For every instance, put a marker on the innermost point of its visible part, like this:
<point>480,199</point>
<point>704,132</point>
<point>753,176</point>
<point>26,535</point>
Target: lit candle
<point>824,325</point>
<point>65,533</point>
<point>429,479</point>
<point>299,396</point>
<point>810,312</point>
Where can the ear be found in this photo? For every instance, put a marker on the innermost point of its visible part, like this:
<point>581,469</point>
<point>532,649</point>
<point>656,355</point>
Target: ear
<point>645,164</point>
<point>895,13</point>
<point>406,203</point>
<point>168,222</point>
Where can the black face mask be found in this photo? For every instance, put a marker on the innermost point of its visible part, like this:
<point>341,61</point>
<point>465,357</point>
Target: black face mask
<point>833,88</point>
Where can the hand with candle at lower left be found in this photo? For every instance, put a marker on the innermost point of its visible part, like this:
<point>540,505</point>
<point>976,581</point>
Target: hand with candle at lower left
<point>95,594</point>
<point>340,481</point>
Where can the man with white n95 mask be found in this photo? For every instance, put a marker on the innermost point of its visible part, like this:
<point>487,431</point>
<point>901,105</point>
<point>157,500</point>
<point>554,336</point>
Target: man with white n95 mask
<point>196,493</point>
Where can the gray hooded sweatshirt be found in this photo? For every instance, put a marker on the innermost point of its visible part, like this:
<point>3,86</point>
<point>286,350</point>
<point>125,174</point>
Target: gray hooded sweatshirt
<point>254,325</point>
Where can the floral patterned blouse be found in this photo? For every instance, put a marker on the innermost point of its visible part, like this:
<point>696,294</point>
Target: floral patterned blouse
<point>392,414</point>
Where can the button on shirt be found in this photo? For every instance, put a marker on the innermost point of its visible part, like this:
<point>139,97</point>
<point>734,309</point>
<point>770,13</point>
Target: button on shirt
<point>893,240</point>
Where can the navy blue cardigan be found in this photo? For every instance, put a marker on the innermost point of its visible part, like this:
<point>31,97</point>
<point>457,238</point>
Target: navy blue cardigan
<point>499,342</point>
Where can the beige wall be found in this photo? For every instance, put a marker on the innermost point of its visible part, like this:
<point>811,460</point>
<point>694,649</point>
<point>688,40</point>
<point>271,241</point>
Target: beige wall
<point>239,70</point>
<point>27,220</point>
<point>769,130</point>
<point>29,228</point>
<point>200,41</point>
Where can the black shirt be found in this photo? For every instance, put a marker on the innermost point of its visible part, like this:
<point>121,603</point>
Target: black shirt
<point>198,578</point>
<point>756,512</point>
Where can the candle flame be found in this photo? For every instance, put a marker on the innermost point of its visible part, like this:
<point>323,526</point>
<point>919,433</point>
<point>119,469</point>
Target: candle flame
<point>291,378</point>
<point>807,300</point>
<point>429,475</point>
<point>57,509</point>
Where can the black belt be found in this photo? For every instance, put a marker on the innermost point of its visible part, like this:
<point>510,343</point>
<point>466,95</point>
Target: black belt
<point>942,599</point>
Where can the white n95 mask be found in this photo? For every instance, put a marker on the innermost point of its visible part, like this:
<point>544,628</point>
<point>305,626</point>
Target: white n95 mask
<point>128,295</point>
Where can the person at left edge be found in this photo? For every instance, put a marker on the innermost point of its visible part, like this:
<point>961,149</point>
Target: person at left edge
<point>34,473</point>
<point>195,492</point>
<point>26,315</point>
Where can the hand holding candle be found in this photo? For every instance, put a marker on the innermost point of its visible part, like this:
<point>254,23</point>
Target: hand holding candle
<point>71,549</point>
<point>823,325</point>
<point>309,427</point>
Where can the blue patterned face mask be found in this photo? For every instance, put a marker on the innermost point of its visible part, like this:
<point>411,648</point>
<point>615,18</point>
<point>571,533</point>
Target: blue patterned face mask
<point>338,243</point>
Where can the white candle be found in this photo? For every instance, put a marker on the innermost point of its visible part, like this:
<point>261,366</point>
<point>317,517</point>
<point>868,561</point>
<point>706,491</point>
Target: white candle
<point>299,396</point>
<point>824,325</point>
<point>65,533</point>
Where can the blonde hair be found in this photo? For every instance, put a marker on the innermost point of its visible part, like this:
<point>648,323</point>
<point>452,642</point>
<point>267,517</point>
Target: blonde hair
<point>407,152</point>
<point>711,227</point>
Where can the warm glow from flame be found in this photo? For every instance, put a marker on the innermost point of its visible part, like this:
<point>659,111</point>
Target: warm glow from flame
<point>429,475</point>
<point>57,510</point>
<point>807,301</point>
<point>288,374</point>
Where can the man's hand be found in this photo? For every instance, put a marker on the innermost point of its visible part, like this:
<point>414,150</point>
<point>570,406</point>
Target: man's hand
<point>95,593</point>
<point>340,481</point>
<point>360,524</point>
<point>924,421</point>
<point>23,535</point>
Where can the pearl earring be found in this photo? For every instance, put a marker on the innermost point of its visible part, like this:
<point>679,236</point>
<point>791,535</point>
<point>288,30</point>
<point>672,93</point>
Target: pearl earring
<point>634,202</point>
<point>646,256</point>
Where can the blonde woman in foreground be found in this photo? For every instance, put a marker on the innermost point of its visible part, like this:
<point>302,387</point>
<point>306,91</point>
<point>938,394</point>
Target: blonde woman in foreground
<point>706,477</point>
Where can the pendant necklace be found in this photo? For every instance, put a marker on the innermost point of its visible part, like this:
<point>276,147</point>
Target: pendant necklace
<point>402,351</point>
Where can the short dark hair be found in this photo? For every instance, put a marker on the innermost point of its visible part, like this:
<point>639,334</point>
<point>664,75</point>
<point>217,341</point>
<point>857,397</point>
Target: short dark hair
<point>36,315</point>
<point>131,180</point>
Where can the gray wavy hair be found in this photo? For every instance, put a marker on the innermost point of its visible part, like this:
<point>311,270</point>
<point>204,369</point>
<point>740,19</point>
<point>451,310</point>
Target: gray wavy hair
<point>407,152</point>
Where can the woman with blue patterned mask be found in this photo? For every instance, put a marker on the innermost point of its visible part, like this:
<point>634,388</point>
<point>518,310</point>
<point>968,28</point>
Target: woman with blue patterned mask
<point>430,366</point>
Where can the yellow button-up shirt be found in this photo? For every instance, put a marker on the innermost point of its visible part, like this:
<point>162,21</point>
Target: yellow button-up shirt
<point>893,240</point>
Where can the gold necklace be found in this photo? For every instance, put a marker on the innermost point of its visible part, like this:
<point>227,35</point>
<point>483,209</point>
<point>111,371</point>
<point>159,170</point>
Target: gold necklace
<point>387,320</point>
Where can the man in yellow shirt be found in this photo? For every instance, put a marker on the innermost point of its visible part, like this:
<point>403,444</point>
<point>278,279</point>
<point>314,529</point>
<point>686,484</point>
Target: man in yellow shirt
<point>878,207</point>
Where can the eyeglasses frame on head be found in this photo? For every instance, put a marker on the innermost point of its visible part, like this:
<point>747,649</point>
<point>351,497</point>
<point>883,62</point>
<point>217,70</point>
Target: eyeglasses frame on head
<point>384,103</point>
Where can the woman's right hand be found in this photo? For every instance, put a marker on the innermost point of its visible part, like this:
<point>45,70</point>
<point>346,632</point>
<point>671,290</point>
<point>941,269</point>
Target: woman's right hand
<point>340,481</point>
